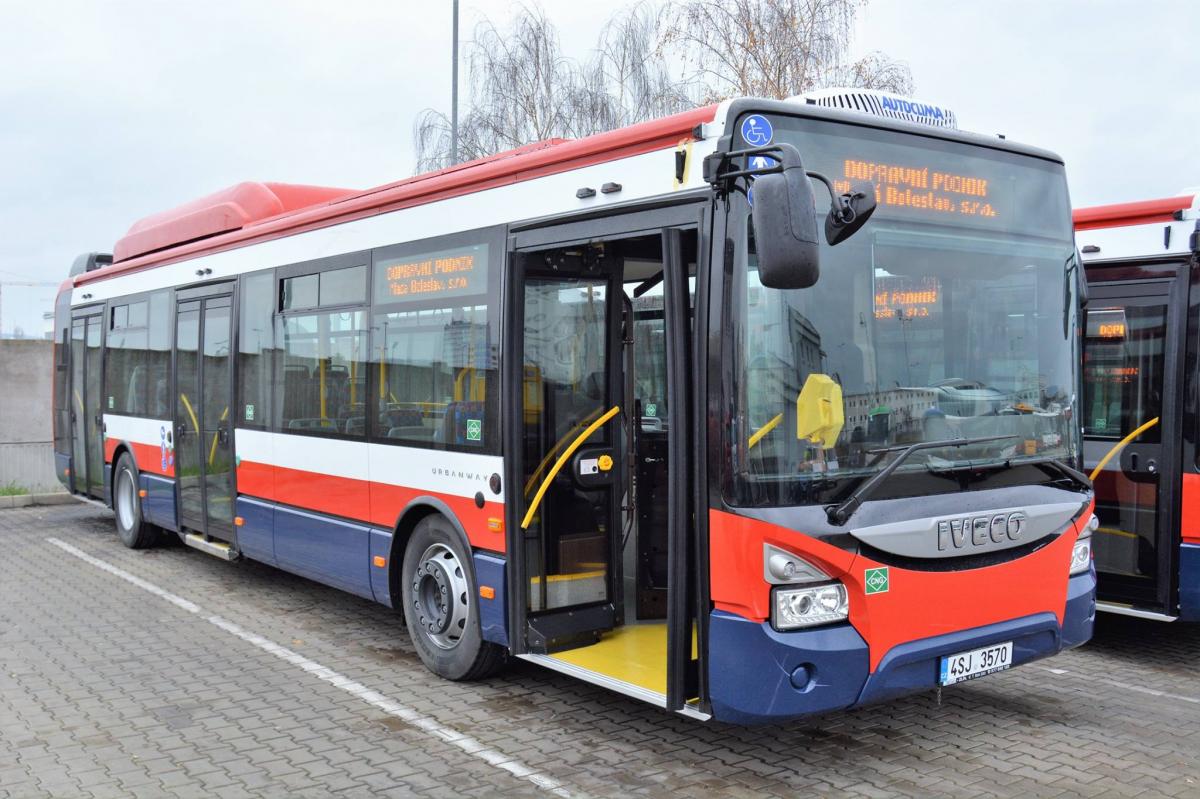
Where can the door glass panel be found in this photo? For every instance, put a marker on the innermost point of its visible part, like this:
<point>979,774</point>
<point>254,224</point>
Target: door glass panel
<point>1123,370</point>
<point>95,448</point>
<point>565,390</point>
<point>188,407</point>
<point>217,452</point>
<point>1124,360</point>
<point>78,411</point>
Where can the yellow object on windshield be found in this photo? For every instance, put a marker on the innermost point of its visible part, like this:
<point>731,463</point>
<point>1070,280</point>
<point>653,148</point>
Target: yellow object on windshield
<point>819,412</point>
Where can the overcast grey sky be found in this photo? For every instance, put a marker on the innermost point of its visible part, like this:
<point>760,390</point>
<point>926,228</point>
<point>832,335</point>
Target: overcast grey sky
<point>113,110</point>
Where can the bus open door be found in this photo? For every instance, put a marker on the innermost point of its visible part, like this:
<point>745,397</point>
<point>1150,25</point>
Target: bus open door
<point>1139,404</point>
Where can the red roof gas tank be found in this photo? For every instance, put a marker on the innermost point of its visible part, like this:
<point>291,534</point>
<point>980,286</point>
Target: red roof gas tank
<point>229,209</point>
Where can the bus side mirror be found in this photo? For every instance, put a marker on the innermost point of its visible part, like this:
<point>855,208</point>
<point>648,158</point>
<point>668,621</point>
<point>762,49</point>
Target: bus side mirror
<point>785,228</point>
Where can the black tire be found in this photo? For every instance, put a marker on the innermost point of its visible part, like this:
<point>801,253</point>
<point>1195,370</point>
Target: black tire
<point>134,531</point>
<point>437,565</point>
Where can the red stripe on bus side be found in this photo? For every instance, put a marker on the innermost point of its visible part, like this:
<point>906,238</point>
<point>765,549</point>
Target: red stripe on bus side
<point>378,504</point>
<point>1189,516</point>
<point>147,457</point>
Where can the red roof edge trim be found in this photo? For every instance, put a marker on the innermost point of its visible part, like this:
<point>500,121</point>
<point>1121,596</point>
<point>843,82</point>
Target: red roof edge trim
<point>531,162</point>
<point>1122,214</point>
<point>220,212</point>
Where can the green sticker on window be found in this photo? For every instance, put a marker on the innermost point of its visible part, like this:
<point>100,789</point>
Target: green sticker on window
<point>474,430</point>
<point>651,409</point>
<point>110,403</point>
<point>249,413</point>
<point>876,580</point>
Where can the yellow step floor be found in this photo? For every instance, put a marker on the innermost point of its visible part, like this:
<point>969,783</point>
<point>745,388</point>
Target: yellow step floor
<point>635,653</point>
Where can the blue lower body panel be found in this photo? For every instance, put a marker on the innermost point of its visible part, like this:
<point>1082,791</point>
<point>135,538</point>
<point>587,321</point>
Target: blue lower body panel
<point>158,506</point>
<point>489,572</point>
<point>758,675</point>
<point>1189,582</point>
<point>62,467</point>
<point>256,536</point>
<point>1080,615</point>
<point>332,551</point>
<point>381,547</point>
<point>754,670</point>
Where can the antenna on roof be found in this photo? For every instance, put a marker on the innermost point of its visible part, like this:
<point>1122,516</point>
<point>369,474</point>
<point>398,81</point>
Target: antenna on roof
<point>454,89</point>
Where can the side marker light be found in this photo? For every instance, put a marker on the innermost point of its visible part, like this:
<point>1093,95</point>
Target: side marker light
<point>238,521</point>
<point>379,560</point>
<point>487,592</point>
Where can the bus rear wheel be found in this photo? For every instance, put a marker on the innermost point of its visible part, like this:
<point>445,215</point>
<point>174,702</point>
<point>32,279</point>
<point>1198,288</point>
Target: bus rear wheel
<point>441,605</point>
<point>134,531</point>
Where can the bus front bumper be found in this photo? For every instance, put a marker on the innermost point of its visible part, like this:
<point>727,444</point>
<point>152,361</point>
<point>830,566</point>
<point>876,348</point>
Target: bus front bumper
<point>758,675</point>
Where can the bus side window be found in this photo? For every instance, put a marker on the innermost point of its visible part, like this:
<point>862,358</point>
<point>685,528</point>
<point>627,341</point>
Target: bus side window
<point>322,364</point>
<point>256,350</point>
<point>436,376</point>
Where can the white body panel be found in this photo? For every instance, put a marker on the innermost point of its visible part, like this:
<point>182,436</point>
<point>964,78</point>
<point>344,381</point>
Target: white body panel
<point>457,473</point>
<point>137,430</point>
<point>1141,241</point>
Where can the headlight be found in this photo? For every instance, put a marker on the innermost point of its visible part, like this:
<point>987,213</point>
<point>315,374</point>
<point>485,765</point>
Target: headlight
<point>807,607</point>
<point>1081,555</point>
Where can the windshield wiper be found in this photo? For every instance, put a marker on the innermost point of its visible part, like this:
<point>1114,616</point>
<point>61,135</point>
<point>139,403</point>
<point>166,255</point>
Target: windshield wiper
<point>839,514</point>
<point>1071,472</point>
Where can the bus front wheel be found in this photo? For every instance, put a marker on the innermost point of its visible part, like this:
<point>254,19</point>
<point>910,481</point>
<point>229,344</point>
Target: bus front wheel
<point>134,531</point>
<point>441,605</point>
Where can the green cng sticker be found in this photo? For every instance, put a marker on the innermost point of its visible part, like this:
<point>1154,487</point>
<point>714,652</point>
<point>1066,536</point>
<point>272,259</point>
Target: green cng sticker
<point>474,430</point>
<point>651,409</point>
<point>876,580</point>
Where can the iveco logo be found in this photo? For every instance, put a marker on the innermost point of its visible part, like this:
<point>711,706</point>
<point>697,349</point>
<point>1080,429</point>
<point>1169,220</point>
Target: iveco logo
<point>979,531</point>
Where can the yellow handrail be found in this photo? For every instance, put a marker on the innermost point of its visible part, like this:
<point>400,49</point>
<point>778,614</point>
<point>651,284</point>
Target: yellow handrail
<point>766,428</point>
<point>1120,446</point>
<point>557,446</point>
<point>191,412</point>
<point>562,459</point>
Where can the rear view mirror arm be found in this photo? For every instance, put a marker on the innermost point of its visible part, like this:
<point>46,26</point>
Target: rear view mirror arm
<point>724,179</point>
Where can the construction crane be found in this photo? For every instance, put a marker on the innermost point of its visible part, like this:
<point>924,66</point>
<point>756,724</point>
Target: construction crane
<point>22,284</point>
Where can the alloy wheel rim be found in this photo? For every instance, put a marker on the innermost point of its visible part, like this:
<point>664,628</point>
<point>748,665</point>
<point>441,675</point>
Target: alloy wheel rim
<point>125,499</point>
<point>440,597</point>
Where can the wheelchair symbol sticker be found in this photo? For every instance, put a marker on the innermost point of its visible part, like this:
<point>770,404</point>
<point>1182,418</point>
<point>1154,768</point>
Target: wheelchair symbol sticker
<point>756,131</point>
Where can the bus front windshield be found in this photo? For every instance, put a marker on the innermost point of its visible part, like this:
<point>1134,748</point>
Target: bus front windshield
<point>949,316</point>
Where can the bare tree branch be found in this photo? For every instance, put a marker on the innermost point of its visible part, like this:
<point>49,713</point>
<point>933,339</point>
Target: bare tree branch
<point>650,60</point>
<point>775,48</point>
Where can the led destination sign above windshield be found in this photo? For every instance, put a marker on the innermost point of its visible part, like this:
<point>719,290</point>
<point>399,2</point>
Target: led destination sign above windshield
<point>444,273</point>
<point>921,188</point>
<point>930,179</point>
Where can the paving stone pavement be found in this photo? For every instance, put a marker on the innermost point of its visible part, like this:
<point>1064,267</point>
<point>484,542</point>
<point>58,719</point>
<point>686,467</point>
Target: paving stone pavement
<point>108,690</point>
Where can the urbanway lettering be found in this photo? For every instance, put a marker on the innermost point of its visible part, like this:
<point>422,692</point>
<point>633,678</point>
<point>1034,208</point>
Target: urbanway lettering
<point>440,472</point>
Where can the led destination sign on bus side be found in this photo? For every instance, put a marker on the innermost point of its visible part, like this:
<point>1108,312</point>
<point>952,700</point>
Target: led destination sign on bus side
<point>444,273</point>
<point>921,188</point>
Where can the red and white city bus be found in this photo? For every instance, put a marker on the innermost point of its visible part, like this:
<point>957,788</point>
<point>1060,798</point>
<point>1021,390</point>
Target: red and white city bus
<point>1140,402</point>
<point>608,405</point>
